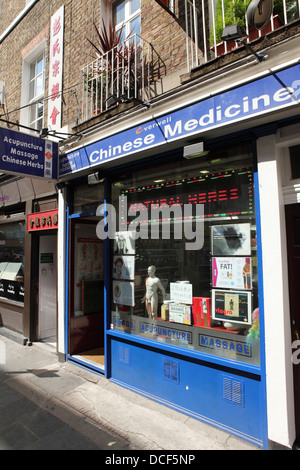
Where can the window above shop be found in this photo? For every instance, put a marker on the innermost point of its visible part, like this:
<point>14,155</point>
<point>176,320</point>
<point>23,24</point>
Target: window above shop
<point>33,88</point>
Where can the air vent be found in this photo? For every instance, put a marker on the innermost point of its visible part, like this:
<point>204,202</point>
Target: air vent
<point>171,371</point>
<point>124,355</point>
<point>233,391</point>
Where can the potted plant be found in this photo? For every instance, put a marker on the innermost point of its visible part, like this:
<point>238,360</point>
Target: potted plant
<point>116,69</point>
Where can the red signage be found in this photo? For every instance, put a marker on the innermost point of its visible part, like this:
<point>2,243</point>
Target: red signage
<point>42,221</point>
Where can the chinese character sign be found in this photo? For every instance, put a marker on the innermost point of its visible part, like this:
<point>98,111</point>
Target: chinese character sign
<point>56,69</point>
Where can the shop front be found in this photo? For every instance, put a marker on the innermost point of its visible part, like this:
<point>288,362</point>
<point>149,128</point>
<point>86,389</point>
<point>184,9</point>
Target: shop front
<point>165,291</point>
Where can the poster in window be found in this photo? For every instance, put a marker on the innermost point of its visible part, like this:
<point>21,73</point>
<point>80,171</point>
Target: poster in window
<point>231,306</point>
<point>231,240</point>
<point>123,293</point>
<point>123,267</point>
<point>89,257</point>
<point>232,272</point>
<point>124,243</point>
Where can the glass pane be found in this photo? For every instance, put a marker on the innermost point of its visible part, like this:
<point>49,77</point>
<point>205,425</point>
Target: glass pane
<point>39,85</point>
<point>120,12</point>
<point>40,65</point>
<point>134,5</point>
<point>87,198</point>
<point>12,261</point>
<point>32,113</point>
<point>40,110</point>
<point>32,70</point>
<point>31,90</point>
<point>135,26</point>
<point>39,124</point>
<point>203,299</point>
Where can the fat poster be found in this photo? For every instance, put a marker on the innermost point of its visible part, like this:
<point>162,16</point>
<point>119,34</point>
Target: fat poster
<point>232,273</point>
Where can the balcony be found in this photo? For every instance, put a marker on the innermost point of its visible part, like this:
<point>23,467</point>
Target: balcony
<point>206,19</point>
<point>126,73</point>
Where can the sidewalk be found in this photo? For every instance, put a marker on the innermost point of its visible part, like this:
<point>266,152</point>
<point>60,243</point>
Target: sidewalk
<point>48,405</point>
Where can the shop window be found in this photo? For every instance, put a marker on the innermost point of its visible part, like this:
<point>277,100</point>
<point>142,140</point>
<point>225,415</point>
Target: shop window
<point>183,277</point>
<point>12,237</point>
<point>87,198</point>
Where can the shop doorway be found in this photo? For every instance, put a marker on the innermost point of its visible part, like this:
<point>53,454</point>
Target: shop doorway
<point>293,250</point>
<point>86,293</point>
<point>47,299</point>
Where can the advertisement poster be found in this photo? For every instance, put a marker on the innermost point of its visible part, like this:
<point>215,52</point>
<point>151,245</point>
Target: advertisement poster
<point>232,273</point>
<point>124,243</point>
<point>89,257</point>
<point>231,240</point>
<point>123,267</point>
<point>231,306</point>
<point>123,293</point>
<point>181,293</point>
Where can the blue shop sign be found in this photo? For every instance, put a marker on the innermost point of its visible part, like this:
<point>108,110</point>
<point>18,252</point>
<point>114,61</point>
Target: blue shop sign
<point>27,155</point>
<point>276,91</point>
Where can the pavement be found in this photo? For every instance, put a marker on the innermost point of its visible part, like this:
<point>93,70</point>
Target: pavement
<point>46,404</point>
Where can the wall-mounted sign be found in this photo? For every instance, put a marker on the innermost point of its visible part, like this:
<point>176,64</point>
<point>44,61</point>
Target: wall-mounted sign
<point>24,154</point>
<point>42,221</point>
<point>56,69</point>
<point>274,92</point>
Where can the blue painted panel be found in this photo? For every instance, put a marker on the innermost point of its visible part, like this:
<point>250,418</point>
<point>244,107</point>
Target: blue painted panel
<point>205,391</point>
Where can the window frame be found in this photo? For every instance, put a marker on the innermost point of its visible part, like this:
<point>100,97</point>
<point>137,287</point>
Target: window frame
<point>128,17</point>
<point>27,102</point>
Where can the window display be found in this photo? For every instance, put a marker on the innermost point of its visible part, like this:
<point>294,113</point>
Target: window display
<point>12,237</point>
<point>204,299</point>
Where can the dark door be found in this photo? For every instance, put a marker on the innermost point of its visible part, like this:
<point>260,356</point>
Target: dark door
<point>293,250</point>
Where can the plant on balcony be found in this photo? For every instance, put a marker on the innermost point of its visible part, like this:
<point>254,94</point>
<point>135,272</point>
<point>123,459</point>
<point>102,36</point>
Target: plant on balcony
<point>116,69</point>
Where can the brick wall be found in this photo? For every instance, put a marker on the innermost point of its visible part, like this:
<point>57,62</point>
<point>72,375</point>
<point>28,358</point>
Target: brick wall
<point>34,28</point>
<point>9,9</point>
<point>166,32</point>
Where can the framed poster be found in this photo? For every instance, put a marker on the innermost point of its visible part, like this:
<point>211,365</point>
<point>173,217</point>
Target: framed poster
<point>231,306</point>
<point>123,293</point>
<point>231,240</point>
<point>232,273</point>
<point>124,243</point>
<point>123,267</point>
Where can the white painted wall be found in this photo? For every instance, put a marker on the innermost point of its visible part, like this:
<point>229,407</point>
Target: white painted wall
<point>61,263</point>
<point>280,401</point>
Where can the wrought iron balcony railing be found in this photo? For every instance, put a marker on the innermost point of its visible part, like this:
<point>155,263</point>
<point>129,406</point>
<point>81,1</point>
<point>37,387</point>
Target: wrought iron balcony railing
<point>206,19</point>
<point>126,72</point>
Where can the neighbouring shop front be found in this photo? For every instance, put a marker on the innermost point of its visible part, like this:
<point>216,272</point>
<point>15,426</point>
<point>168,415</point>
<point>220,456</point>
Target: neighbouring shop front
<point>164,279</point>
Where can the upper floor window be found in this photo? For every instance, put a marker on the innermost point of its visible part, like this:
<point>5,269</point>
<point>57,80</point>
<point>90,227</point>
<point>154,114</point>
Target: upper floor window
<point>33,88</point>
<point>127,14</point>
<point>36,92</point>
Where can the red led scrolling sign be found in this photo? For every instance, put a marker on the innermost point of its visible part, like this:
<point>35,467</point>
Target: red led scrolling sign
<point>42,221</point>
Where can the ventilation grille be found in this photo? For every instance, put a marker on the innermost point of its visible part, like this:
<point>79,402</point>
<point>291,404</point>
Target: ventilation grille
<point>233,391</point>
<point>124,355</point>
<point>171,371</point>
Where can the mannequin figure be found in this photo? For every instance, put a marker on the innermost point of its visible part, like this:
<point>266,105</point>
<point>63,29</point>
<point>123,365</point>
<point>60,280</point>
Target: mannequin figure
<point>151,297</point>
